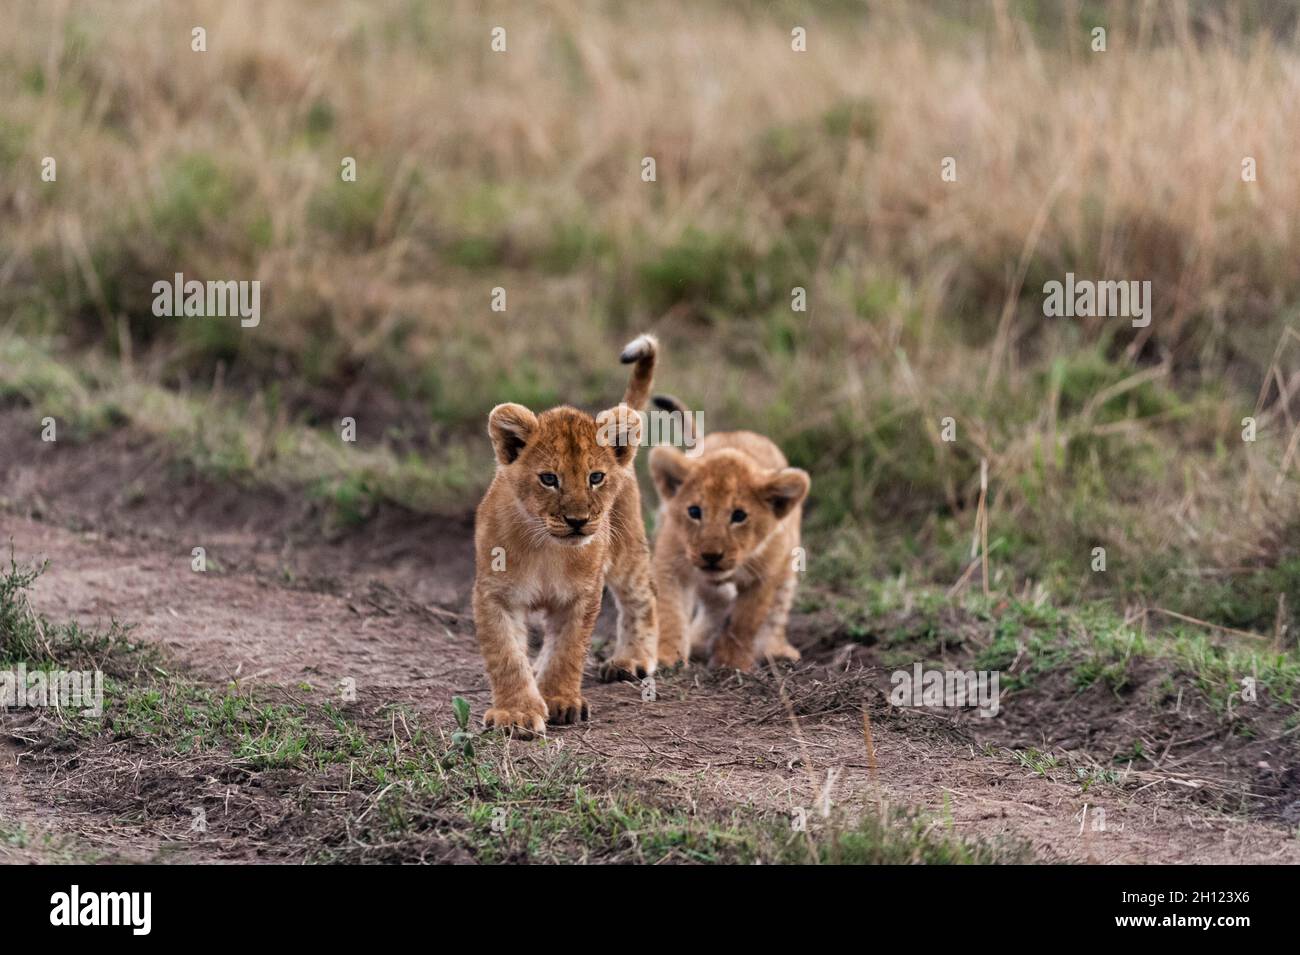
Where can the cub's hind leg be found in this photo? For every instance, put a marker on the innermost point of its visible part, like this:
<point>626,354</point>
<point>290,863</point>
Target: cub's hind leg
<point>636,644</point>
<point>630,579</point>
<point>672,610</point>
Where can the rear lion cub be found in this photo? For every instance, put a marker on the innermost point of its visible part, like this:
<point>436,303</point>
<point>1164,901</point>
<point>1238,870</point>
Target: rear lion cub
<point>724,557</point>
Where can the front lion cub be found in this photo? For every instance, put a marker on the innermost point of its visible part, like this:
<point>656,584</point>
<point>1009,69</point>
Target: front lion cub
<point>561,519</point>
<point>724,555</point>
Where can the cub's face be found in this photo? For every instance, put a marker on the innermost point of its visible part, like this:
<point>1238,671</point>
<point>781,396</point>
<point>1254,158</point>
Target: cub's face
<point>565,467</point>
<point>725,505</point>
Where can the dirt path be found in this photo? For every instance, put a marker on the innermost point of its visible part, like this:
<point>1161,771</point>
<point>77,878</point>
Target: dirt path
<point>387,608</point>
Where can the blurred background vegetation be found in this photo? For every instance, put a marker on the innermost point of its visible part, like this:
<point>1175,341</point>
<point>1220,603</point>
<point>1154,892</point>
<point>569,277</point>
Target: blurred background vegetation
<point>776,169</point>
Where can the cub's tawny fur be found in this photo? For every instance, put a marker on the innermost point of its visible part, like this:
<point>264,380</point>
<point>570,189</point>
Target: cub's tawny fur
<point>724,556</point>
<point>561,519</point>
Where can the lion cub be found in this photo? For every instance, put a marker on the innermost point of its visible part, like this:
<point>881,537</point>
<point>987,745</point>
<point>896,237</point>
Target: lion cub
<point>561,519</point>
<point>724,556</point>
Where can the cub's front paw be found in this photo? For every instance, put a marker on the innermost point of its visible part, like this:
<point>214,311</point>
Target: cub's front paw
<point>784,652</point>
<point>629,669</point>
<point>522,722</point>
<point>730,654</point>
<point>564,710</point>
<point>670,657</point>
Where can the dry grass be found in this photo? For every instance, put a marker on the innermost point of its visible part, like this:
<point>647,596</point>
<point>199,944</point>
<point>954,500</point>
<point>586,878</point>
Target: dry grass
<point>775,169</point>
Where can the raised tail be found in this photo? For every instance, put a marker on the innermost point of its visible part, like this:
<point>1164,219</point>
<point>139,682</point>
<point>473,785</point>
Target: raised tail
<point>641,350</point>
<point>674,406</point>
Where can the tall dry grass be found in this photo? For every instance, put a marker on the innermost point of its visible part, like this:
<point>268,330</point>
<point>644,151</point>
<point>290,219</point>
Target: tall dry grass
<point>1130,158</point>
<point>775,168</point>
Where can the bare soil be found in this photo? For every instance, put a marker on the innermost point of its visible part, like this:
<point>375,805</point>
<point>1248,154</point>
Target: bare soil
<point>386,605</point>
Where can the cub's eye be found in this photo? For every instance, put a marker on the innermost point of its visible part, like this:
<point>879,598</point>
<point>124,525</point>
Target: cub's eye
<point>596,477</point>
<point>549,479</point>
<point>694,512</point>
<point>738,516</point>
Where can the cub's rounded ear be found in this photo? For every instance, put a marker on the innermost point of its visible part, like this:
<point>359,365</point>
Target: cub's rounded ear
<point>510,427</point>
<point>619,428</point>
<point>668,469</point>
<point>786,489</point>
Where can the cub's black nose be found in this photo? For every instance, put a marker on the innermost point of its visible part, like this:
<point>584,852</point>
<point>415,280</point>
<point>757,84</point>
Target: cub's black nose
<point>711,559</point>
<point>577,523</point>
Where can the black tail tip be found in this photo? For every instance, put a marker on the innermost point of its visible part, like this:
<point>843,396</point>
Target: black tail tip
<point>643,346</point>
<point>666,403</point>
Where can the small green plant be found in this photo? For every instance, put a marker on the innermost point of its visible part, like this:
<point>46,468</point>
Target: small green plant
<point>28,637</point>
<point>462,740</point>
<point>15,835</point>
<point>1090,776</point>
<point>1036,760</point>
